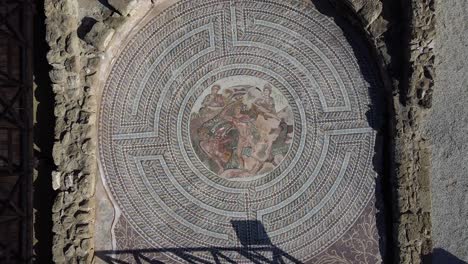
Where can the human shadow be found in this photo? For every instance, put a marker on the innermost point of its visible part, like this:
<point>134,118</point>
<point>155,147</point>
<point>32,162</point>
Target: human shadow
<point>440,255</point>
<point>256,247</point>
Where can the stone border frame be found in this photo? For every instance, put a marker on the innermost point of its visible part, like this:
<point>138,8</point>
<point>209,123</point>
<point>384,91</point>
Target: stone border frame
<point>78,59</point>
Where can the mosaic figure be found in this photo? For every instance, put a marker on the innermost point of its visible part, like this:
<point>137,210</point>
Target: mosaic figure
<point>234,132</point>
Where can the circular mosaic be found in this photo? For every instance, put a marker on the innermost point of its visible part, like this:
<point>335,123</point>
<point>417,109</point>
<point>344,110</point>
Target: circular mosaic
<point>222,111</point>
<point>241,127</point>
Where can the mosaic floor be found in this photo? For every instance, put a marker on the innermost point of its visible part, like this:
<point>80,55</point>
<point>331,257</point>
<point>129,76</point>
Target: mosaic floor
<point>239,131</point>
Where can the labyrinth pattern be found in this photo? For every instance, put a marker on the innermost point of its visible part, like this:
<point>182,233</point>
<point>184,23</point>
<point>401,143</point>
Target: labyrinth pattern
<point>169,199</point>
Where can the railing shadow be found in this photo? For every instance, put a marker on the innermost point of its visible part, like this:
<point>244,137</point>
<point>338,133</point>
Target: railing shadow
<point>256,247</point>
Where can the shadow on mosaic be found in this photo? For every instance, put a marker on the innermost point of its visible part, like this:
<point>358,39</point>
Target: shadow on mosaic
<point>256,247</point>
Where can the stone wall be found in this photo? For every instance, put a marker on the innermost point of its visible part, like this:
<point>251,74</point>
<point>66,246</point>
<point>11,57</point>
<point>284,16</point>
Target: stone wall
<point>72,209</point>
<point>74,148</point>
<point>403,37</point>
<point>412,154</point>
<point>78,32</point>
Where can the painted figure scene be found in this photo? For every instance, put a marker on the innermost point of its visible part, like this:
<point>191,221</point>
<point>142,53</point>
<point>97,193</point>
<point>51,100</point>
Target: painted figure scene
<point>241,131</point>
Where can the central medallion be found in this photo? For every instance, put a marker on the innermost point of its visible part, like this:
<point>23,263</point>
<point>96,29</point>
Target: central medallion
<point>241,127</point>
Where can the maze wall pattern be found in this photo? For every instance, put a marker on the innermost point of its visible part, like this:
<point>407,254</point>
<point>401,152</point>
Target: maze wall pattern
<point>168,198</point>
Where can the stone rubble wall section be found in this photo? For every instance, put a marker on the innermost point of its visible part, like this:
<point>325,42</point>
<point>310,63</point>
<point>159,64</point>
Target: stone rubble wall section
<point>412,152</point>
<point>75,62</point>
<point>411,91</point>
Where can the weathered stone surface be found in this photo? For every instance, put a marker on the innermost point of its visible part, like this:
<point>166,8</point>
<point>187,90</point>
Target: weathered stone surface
<point>71,131</point>
<point>115,21</point>
<point>72,64</point>
<point>57,251</point>
<point>356,4</point>
<point>448,130</point>
<point>412,149</point>
<point>58,75</point>
<point>124,7</point>
<point>70,252</point>
<point>56,180</point>
<point>72,44</point>
<point>370,11</point>
<point>100,35</point>
<point>94,9</point>
<point>378,27</point>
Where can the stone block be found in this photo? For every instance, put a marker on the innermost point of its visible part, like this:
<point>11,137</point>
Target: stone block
<point>67,222</point>
<point>72,64</point>
<point>72,44</point>
<point>58,256</point>
<point>58,75</point>
<point>58,203</point>
<point>124,7</point>
<point>370,11</point>
<point>356,4</point>
<point>99,36</point>
<point>70,251</point>
<point>56,180</point>
<point>379,27</point>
